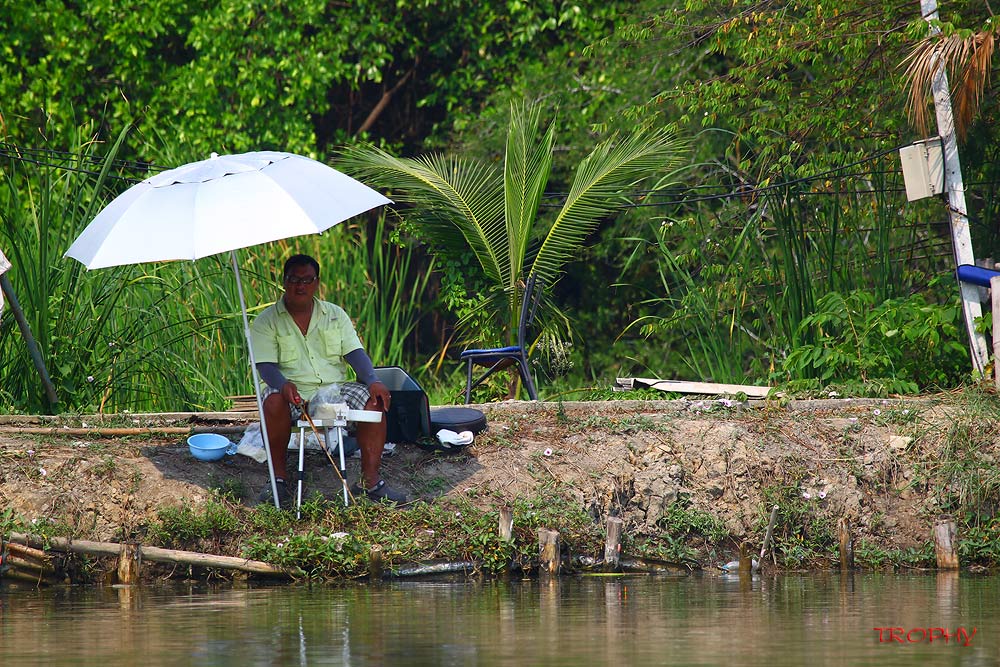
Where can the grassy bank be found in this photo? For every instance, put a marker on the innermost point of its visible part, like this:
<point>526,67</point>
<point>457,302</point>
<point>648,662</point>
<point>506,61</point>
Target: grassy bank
<point>690,479</point>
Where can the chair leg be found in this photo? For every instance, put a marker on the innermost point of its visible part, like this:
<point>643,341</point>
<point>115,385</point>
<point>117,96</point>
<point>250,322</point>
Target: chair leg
<point>529,384</point>
<point>302,461</point>
<point>468,382</point>
<point>343,465</point>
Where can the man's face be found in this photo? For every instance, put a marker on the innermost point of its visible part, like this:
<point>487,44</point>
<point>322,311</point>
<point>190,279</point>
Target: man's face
<point>301,284</point>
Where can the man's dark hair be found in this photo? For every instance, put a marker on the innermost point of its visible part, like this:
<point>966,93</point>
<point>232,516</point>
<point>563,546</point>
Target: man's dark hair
<point>299,260</point>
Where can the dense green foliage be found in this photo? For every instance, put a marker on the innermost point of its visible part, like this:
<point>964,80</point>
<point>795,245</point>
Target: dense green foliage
<point>791,210</point>
<point>244,75</point>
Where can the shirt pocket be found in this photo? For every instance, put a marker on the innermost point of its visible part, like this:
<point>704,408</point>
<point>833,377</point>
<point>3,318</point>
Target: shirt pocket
<point>333,344</point>
<point>288,350</point>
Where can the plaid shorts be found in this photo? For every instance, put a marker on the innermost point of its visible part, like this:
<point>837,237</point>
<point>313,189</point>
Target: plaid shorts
<point>355,395</point>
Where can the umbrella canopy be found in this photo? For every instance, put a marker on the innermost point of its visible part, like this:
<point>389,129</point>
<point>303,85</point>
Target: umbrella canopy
<point>221,204</point>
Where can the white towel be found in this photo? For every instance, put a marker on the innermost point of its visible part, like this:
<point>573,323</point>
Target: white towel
<point>451,438</point>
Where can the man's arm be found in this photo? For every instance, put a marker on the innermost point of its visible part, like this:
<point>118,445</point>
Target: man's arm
<point>276,380</point>
<point>270,374</point>
<point>362,365</point>
<point>365,370</point>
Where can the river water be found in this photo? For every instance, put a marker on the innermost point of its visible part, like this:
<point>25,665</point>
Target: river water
<point>702,619</point>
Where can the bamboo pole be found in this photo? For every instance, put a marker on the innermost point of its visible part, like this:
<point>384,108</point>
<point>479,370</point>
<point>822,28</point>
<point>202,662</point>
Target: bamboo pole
<point>27,552</point>
<point>29,339</point>
<point>156,554</point>
<point>114,432</point>
<point>35,578</point>
<point>22,564</point>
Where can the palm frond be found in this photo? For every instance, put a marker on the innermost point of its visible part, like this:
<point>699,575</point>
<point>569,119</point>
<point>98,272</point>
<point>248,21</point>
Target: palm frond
<point>966,60</point>
<point>450,198</point>
<point>597,191</point>
<point>527,166</point>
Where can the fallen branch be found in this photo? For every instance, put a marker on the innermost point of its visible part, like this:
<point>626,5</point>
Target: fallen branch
<point>156,554</point>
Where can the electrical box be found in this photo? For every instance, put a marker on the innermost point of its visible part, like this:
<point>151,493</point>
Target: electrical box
<point>923,168</point>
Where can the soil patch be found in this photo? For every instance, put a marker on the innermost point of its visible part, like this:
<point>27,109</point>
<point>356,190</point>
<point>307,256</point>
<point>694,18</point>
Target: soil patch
<point>854,459</point>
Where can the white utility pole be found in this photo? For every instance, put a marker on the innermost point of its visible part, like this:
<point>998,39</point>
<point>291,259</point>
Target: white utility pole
<point>957,212</point>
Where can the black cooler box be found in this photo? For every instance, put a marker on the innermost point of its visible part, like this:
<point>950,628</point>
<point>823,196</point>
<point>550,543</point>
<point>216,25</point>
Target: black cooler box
<point>409,416</point>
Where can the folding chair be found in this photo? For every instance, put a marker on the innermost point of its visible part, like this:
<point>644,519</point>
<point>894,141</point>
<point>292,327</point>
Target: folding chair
<point>499,358</point>
<point>323,426</point>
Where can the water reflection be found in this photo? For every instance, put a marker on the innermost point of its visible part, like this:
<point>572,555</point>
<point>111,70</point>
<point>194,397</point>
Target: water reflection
<point>698,620</point>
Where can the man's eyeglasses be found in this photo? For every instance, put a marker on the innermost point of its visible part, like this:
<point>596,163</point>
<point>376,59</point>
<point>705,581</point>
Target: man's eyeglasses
<point>294,280</point>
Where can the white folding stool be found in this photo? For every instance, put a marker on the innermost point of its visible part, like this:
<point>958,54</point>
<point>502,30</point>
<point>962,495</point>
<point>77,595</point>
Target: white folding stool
<point>323,426</point>
<point>335,416</point>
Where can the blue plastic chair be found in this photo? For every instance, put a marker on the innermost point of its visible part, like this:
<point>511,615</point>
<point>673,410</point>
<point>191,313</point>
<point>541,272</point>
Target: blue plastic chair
<point>499,358</point>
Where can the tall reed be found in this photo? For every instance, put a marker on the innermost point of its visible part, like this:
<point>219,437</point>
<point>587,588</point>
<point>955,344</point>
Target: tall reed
<point>738,279</point>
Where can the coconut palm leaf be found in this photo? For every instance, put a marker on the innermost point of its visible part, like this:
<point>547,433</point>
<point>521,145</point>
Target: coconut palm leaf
<point>600,180</point>
<point>527,165</point>
<point>967,62</point>
<point>444,195</point>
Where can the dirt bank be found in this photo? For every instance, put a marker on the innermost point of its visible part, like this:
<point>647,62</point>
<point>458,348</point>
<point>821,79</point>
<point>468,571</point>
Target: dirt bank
<point>882,465</point>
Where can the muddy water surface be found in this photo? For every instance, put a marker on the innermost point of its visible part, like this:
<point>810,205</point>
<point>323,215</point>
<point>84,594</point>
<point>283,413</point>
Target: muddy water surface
<point>703,619</point>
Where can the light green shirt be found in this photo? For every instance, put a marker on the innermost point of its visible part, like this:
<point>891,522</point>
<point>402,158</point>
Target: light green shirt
<point>310,361</point>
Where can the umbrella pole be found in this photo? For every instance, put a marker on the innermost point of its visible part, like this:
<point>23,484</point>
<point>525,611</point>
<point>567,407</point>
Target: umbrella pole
<point>256,381</point>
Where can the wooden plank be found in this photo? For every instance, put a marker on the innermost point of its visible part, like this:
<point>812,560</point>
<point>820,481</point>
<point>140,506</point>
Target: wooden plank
<point>686,387</point>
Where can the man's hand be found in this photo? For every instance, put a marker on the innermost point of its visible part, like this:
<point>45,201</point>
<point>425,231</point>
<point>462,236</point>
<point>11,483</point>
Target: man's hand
<point>290,393</point>
<point>380,394</point>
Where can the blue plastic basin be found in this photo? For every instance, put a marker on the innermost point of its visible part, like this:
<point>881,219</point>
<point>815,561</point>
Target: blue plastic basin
<point>210,446</point>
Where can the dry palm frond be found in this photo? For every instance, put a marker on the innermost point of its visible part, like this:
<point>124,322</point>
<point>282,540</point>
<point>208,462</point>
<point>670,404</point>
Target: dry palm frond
<point>967,62</point>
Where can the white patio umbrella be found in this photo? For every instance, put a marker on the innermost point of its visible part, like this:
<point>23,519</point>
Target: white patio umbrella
<point>222,204</point>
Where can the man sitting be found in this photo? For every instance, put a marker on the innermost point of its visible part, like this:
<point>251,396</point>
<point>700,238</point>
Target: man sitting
<point>300,344</point>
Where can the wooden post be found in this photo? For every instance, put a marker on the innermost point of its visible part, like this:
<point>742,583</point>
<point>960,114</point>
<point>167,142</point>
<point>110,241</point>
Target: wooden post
<point>768,533</point>
<point>612,543</point>
<point>946,544</point>
<point>746,560</point>
<point>375,564</point>
<point>128,564</point>
<point>548,551</point>
<point>995,306</point>
<point>846,545</point>
<point>507,523</point>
